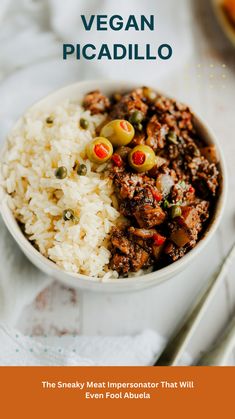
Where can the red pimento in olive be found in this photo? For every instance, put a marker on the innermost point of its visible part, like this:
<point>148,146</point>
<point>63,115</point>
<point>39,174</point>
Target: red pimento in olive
<point>158,239</point>
<point>138,157</point>
<point>125,125</point>
<point>117,160</point>
<point>99,150</point>
<point>142,158</point>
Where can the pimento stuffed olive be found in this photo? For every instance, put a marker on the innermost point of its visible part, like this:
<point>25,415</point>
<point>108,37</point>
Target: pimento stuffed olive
<point>119,132</point>
<point>99,150</point>
<point>142,158</point>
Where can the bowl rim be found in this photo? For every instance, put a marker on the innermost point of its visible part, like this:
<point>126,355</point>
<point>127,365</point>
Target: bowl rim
<point>121,284</point>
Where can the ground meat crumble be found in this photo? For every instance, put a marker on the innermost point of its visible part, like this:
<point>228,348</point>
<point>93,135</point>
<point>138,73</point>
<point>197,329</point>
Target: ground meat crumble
<point>158,233</point>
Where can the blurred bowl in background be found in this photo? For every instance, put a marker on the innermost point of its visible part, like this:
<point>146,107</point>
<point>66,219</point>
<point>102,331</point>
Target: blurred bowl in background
<point>225,22</point>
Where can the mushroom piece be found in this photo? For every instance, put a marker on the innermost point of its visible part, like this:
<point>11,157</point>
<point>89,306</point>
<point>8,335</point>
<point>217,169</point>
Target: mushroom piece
<point>180,237</point>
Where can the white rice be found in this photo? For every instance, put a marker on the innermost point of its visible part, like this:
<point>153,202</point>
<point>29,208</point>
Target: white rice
<point>38,198</point>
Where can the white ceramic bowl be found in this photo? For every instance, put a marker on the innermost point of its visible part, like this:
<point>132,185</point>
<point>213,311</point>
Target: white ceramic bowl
<point>75,92</point>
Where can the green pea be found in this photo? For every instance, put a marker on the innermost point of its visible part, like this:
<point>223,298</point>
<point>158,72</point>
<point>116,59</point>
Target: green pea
<point>175,211</point>
<point>139,127</point>
<point>68,214</point>
<point>136,118</point>
<point>61,172</point>
<point>49,120</point>
<point>84,124</point>
<point>172,137</point>
<point>82,170</point>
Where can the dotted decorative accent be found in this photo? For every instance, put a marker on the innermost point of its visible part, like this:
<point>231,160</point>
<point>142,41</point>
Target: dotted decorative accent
<point>213,73</point>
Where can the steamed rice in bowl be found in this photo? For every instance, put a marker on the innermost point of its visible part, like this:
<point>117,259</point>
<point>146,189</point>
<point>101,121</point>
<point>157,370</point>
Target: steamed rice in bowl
<point>37,198</point>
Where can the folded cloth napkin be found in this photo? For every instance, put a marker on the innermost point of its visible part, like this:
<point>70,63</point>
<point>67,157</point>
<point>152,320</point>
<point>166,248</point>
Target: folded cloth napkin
<point>20,282</point>
<point>18,350</point>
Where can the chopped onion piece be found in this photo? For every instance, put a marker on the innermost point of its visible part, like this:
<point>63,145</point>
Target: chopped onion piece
<point>164,184</point>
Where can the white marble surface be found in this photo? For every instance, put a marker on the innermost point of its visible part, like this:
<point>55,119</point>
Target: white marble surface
<point>206,81</point>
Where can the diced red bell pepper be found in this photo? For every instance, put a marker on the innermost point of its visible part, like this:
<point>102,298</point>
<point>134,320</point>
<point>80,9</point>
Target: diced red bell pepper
<point>158,239</point>
<point>157,195</point>
<point>117,160</point>
<point>191,189</point>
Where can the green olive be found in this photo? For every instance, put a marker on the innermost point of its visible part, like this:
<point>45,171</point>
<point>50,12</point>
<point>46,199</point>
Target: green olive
<point>118,131</point>
<point>99,150</point>
<point>142,158</point>
<point>61,172</point>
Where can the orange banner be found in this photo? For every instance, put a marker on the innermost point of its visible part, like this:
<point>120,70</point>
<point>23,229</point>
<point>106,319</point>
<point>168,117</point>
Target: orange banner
<point>111,392</point>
